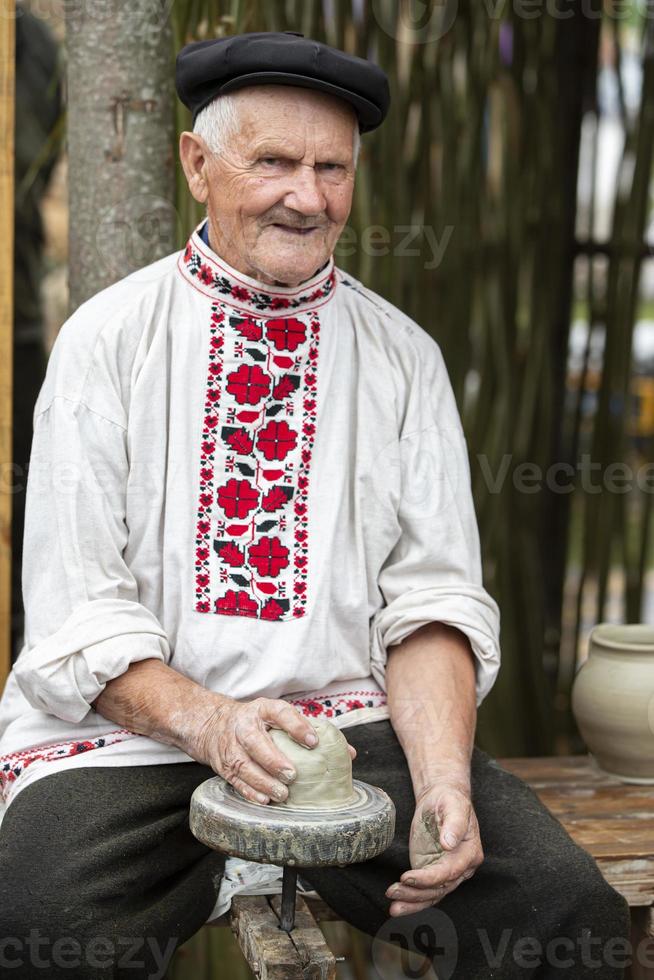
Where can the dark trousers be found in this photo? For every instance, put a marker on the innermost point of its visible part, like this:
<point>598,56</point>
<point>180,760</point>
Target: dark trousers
<point>99,872</point>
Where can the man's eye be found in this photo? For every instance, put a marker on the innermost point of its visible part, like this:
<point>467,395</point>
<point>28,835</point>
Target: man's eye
<point>270,161</point>
<point>331,166</point>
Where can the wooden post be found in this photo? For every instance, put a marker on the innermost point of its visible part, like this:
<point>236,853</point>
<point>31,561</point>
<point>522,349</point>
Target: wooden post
<point>7,65</point>
<point>119,133</point>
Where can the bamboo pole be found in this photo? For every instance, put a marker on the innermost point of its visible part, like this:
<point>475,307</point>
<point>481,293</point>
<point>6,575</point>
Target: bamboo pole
<point>7,59</point>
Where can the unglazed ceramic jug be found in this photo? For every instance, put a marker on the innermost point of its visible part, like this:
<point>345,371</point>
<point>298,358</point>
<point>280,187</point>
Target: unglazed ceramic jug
<point>613,700</point>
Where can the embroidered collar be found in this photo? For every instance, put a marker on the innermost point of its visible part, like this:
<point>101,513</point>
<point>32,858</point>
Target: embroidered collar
<point>211,275</point>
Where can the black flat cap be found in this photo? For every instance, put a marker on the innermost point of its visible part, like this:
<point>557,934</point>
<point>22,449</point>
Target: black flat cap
<point>206,69</point>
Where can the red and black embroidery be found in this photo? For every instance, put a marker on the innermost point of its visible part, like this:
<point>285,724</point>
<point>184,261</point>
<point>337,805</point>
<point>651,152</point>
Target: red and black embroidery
<point>331,706</point>
<point>14,765</point>
<point>259,426</point>
<point>215,279</point>
<point>251,554</point>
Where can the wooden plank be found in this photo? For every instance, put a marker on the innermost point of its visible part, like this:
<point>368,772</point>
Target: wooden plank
<point>317,959</point>
<point>273,954</point>
<point>7,69</point>
<point>319,910</point>
<point>642,942</point>
<point>559,770</point>
<point>620,838</point>
<point>612,820</point>
<point>598,801</point>
<point>633,879</point>
<point>268,950</point>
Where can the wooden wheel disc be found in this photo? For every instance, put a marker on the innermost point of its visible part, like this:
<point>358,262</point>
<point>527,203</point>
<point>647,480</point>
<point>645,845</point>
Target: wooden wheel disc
<point>223,820</point>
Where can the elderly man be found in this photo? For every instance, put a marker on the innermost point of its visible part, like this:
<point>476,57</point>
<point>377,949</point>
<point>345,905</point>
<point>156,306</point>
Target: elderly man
<point>249,504</point>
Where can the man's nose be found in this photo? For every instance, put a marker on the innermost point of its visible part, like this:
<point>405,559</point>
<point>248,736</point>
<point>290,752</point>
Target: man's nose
<point>305,194</point>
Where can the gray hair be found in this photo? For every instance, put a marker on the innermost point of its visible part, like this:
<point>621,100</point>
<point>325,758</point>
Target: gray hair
<point>218,122</point>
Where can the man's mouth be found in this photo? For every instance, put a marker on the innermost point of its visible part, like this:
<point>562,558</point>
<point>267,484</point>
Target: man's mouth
<point>296,231</point>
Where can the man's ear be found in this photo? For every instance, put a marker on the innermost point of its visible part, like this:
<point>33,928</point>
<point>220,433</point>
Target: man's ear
<point>193,155</point>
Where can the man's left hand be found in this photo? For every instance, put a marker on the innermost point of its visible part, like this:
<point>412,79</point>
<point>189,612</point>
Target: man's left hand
<point>444,848</point>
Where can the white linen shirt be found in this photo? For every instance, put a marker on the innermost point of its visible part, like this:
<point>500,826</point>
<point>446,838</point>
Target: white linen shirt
<point>264,488</point>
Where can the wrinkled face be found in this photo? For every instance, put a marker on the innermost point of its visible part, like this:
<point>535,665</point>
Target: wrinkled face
<point>279,194</point>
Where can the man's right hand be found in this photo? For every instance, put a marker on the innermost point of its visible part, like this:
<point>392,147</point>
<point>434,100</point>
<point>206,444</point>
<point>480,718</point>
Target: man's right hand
<point>235,742</point>
<point>231,736</point>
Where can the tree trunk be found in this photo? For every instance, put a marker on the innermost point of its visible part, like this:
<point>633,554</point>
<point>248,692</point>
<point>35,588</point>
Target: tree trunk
<point>120,141</point>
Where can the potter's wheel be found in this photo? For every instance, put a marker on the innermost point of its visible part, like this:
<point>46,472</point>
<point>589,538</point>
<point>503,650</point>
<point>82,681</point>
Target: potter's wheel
<point>358,824</point>
<point>223,820</point>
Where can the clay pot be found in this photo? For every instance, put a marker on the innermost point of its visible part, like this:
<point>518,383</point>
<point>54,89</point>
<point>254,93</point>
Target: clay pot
<point>613,700</point>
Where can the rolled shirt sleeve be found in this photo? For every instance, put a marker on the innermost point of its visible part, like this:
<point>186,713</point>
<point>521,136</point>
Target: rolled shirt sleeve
<point>434,572</point>
<point>84,624</point>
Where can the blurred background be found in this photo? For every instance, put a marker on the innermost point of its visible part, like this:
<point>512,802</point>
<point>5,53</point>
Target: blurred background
<point>505,205</point>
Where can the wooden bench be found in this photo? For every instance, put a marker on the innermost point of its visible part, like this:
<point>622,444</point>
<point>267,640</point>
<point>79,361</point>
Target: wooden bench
<point>613,821</point>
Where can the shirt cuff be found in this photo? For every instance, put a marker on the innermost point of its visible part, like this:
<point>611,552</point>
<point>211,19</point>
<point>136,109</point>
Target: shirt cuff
<point>63,673</point>
<point>470,609</point>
